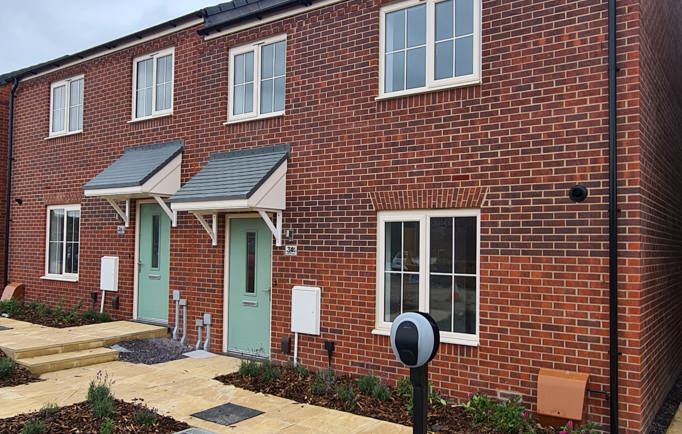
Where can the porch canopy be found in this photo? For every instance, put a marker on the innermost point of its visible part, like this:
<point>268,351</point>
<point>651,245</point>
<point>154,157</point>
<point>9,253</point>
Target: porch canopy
<point>141,172</point>
<point>238,181</point>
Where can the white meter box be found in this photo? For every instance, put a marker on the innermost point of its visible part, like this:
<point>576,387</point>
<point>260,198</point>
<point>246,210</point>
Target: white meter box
<point>305,309</point>
<point>108,280</point>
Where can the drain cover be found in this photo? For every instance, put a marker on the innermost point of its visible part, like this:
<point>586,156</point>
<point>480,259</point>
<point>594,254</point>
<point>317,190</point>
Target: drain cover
<point>3,328</point>
<point>195,431</point>
<point>227,414</point>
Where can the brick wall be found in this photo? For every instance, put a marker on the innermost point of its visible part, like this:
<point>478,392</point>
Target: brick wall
<point>4,125</point>
<point>661,209</point>
<point>513,145</point>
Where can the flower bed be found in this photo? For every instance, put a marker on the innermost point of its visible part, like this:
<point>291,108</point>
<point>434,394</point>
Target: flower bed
<point>12,374</point>
<point>367,396</point>
<point>59,317</point>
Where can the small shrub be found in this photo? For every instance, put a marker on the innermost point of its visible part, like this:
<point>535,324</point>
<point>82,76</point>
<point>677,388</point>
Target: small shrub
<point>367,384</point>
<point>505,417</point>
<point>33,426</point>
<point>586,428</point>
<point>107,427</point>
<point>318,386</point>
<point>145,417</point>
<point>93,316</point>
<point>434,397</point>
<point>49,409</point>
<point>405,391</point>
<point>479,408</point>
<point>328,376</point>
<point>269,372</point>
<point>10,307</point>
<point>302,371</point>
<point>7,367</point>
<point>381,392</point>
<point>249,368</point>
<point>346,394</point>
<point>100,399</point>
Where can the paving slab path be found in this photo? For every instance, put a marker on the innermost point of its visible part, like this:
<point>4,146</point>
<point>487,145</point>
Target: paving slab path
<point>676,425</point>
<point>183,387</point>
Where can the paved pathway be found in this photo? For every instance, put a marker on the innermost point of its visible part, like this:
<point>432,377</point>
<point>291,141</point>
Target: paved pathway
<point>182,387</point>
<point>676,425</point>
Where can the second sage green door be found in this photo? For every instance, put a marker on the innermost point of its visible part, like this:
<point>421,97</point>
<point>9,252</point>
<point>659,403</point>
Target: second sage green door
<point>249,287</point>
<point>154,264</point>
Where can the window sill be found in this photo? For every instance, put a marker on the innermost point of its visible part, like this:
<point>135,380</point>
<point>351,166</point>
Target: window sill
<point>254,118</point>
<point>444,338</point>
<point>58,135</point>
<point>422,90</point>
<point>148,118</point>
<point>60,278</point>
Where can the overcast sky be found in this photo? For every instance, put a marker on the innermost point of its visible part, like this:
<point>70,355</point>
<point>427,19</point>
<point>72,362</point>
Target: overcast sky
<point>33,31</point>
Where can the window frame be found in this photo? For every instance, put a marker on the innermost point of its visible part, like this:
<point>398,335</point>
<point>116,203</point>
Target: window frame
<point>256,47</point>
<point>431,84</point>
<point>154,56</point>
<point>70,277</point>
<point>424,217</point>
<point>67,101</point>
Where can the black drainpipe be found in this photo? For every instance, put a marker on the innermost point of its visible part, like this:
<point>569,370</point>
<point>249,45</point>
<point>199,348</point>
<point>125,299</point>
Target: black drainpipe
<point>8,194</point>
<point>613,224</point>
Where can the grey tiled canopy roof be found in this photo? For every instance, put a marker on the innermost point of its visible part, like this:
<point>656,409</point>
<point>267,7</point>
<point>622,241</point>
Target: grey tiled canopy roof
<point>136,166</point>
<point>232,175</point>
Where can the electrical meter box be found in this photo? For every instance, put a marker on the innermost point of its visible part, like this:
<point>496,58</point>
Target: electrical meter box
<point>305,309</point>
<point>108,280</point>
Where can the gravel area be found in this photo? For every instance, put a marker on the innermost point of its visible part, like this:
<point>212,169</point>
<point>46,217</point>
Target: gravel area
<point>668,409</point>
<point>152,351</point>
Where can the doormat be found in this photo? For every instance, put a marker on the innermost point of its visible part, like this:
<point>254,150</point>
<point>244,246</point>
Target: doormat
<point>227,414</point>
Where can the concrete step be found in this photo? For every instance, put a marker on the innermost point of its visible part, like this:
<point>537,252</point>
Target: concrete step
<point>72,359</point>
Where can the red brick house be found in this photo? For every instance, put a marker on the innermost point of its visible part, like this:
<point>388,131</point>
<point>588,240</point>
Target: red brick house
<point>417,155</point>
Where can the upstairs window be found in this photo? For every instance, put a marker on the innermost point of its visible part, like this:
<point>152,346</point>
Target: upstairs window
<point>429,45</point>
<point>153,84</point>
<point>66,106</point>
<point>63,242</point>
<point>257,79</point>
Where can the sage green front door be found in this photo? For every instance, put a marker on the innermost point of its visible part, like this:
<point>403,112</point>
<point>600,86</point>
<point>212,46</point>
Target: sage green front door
<point>154,264</point>
<point>249,287</point>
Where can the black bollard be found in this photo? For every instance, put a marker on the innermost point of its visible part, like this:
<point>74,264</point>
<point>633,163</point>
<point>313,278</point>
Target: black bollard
<point>419,377</point>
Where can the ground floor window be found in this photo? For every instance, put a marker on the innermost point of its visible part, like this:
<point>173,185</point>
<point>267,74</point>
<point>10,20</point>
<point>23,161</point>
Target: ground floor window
<point>429,261</point>
<point>63,241</point>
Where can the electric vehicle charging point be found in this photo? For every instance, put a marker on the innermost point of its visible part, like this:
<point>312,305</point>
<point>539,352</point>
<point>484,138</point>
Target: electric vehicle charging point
<point>415,339</point>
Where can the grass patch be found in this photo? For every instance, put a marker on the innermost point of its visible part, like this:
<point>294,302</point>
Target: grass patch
<point>33,426</point>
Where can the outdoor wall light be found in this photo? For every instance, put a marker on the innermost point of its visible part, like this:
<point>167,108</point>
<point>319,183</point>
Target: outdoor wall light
<point>578,193</point>
<point>19,200</point>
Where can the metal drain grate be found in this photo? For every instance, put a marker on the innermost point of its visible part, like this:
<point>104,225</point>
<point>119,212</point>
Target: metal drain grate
<point>227,414</point>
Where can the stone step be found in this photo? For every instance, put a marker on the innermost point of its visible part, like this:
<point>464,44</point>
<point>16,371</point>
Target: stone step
<point>73,359</point>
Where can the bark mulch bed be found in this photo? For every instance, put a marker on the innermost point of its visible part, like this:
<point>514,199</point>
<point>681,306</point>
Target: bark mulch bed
<point>58,317</point>
<point>292,384</point>
<point>19,376</point>
<point>77,418</point>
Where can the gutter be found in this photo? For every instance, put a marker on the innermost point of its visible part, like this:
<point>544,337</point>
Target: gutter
<point>8,192</point>
<point>613,221</point>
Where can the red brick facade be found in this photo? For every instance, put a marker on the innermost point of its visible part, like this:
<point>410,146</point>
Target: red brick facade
<point>511,147</point>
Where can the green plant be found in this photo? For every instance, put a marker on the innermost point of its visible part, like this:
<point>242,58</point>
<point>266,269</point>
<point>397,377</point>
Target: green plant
<point>506,417</point>
<point>586,428</point>
<point>367,384</point>
<point>100,399</point>
<point>318,385</point>
<point>107,426</point>
<point>302,371</point>
<point>405,391</point>
<point>434,397</point>
<point>381,392</point>
<point>269,372</point>
<point>92,316</point>
<point>33,426</point>
<point>48,409</point>
<point>10,307</point>
<point>145,417</point>
<point>346,394</point>
<point>249,368</point>
<point>479,408</point>
<point>328,376</point>
<point>7,367</point>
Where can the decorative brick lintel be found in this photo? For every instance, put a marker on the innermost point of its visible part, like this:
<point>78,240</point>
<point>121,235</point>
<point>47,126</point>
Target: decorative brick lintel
<point>440,198</point>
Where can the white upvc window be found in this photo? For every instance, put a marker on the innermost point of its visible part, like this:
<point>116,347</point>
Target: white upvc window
<point>257,80</point>
<point>62,242</point>
<point>66,106</point>
<point>429,44</point>
<point>428,261</point>
<point>153,76</point>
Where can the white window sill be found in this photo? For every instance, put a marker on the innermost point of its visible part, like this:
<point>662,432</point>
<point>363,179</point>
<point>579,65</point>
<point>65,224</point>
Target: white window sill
<point>254,118</point>
<point>445,338</point>
<point>421,90</point>
<point>58,135</point>
<point>60,278</point>
<point>148,118</point>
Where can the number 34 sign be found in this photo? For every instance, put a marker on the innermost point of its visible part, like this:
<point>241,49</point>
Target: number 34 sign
<point>290,250</point>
